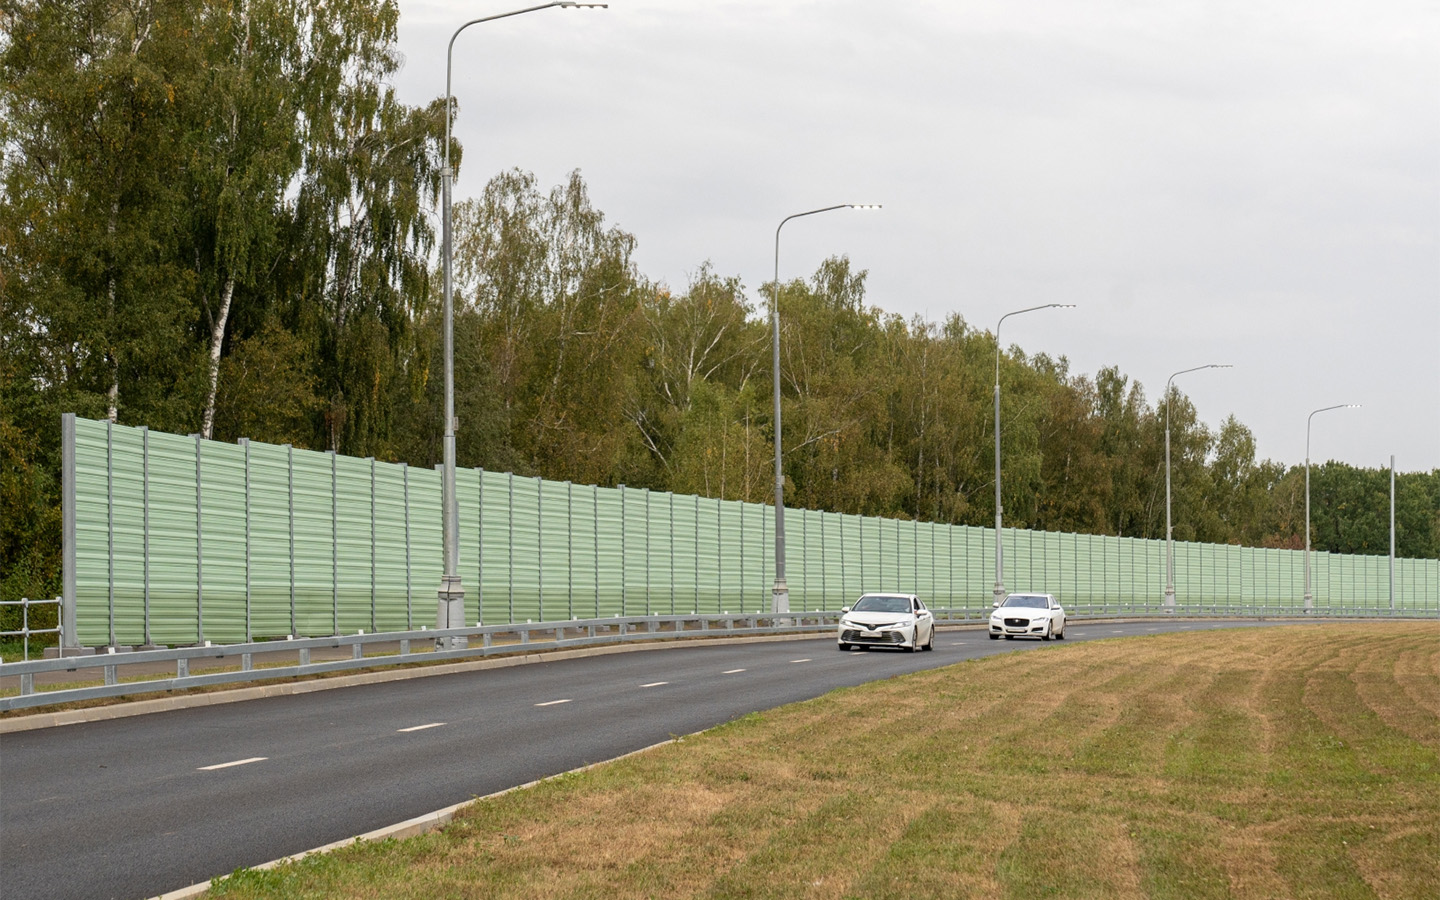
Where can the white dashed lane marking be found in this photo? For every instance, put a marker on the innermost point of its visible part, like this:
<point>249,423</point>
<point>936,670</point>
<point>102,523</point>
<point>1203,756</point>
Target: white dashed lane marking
<point>238,762</point>
<point>732,671</point>
<point>553,702</point>
<point>799,660</point>
<point>655,684</point>
<point>419,727</point>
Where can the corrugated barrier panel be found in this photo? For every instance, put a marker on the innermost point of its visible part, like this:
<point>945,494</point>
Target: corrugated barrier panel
<point>179,540</point>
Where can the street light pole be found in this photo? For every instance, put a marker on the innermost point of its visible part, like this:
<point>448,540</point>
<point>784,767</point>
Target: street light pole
<point>1169,547</point>
<point>1309,601</point>
<point>780,593</point>
<point>999,552</point>
<point>450,609</point>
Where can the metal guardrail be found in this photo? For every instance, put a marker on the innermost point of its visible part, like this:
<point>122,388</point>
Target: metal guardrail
<point>25,630</point>
<point>562,635</point>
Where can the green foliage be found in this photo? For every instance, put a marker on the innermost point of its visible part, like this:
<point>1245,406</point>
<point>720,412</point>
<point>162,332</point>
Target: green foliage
<point>218,216</point>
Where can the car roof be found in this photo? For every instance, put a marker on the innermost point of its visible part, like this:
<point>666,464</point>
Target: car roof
<point>888,594</point>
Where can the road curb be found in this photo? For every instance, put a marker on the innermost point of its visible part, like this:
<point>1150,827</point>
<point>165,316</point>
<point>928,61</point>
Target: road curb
<point>409,828</point>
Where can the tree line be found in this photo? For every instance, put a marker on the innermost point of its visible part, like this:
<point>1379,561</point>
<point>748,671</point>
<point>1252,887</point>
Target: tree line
<point>218,218</point>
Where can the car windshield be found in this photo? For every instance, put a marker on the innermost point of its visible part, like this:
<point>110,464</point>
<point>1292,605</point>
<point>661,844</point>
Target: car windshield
<point>1026,600</point>
<point>883,604</point>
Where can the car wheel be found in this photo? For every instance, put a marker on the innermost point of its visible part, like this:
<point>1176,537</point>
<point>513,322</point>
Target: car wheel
<point>915,642</point>
<point>1046,635</point>
<point>930,644</point>
<point>1061,635</point>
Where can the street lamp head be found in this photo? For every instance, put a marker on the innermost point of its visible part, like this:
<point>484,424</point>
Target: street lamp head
<point>566,4</point>
<point>864,205</point>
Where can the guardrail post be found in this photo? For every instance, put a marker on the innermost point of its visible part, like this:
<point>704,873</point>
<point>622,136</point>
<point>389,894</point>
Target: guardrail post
<point>304,656</point>
<point>247,662</point>
<point>182,667</point>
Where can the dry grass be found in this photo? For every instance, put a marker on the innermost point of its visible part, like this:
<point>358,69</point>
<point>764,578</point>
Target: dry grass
<point>1260,763</point>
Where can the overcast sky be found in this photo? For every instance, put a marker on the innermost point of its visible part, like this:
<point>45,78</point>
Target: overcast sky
<point>1255,183</point>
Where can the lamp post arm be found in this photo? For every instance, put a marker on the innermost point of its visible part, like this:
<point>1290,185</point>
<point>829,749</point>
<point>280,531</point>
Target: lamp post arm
<point>450,49</point>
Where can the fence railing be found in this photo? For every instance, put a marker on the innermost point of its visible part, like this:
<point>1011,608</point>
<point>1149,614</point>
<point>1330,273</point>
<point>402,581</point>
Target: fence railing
<point>498,640</point>
<point>24,631</point>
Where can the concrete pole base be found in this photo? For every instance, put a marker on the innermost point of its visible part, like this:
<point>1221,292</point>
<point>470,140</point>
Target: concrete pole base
<point>780,598</point>
<point>450,612</point>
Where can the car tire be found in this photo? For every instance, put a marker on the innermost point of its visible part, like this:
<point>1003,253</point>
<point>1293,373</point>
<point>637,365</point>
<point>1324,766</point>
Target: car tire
<point>1046,635</point>
<point>915,642</point>
<point>1061,635</point>
<point>930,644</point>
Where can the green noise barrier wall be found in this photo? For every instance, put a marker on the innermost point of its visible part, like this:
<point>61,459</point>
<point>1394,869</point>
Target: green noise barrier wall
<point>174,540</point>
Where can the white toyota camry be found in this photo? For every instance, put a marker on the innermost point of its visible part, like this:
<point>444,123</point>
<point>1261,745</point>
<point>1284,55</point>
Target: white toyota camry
<point>1028,615</point>
<point>887,620</point>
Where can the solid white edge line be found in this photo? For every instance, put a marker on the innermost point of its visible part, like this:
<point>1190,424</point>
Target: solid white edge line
<point>238,762</point>
<point>419,727</point>
<point>801,660</point>
<point>553,702</point>
<point>655,684</point>
<point>732,671</point>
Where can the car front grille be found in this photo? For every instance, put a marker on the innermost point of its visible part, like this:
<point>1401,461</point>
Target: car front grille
<point>854,636</point>
<point>1017,623</point>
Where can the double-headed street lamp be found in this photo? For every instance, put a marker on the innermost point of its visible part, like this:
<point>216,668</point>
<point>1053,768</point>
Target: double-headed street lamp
<point>1309,601</point>
<point>1169,548</point>
<point>999,553</point>
<point>450,610</point>
<point>780,594</point>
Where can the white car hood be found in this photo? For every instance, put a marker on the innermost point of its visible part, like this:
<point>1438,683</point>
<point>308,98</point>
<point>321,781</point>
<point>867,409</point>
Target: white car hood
<point>1019,612</point>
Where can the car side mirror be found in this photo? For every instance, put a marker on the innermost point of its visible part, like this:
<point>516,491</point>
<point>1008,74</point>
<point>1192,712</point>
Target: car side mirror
<point>844,609</point>
<point>995,605</point>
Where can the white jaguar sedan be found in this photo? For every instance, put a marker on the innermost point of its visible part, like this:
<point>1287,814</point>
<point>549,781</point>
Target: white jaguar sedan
<point>887,620</point>
<point>1028,615</point>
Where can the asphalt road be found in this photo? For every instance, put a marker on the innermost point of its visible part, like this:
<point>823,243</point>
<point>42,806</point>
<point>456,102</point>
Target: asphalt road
<point>134,807</point>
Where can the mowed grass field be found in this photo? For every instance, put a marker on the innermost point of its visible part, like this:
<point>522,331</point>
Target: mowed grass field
<point>1297,761</point>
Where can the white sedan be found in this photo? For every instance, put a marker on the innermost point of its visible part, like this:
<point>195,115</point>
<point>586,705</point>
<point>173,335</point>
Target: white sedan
<point>1028,615</point>
<point>887,620</point>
